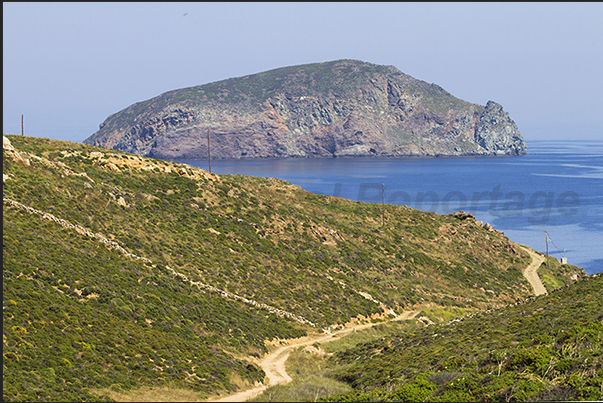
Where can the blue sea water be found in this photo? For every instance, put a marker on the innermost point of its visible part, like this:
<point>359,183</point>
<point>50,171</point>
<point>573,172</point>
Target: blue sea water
<point>557,187</point>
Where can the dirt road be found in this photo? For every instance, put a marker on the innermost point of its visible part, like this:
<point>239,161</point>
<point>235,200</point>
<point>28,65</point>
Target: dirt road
<point>531,272</point>
<point>273,364</point>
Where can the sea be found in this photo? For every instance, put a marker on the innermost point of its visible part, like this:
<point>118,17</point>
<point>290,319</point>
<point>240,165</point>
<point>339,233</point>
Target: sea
<point>553,196</point>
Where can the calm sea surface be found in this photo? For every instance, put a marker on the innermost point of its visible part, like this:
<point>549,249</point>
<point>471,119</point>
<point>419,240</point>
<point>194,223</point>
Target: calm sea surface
<point>557,188</point>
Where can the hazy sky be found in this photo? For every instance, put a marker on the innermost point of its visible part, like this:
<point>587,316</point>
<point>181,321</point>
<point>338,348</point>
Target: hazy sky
<point>68,66</point>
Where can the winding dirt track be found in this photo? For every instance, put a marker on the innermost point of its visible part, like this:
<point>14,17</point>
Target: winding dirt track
<point>273,364</point>
<point>531,272</point>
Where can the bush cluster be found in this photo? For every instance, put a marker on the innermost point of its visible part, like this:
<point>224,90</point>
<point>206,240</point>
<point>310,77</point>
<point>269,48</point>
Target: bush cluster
<point>547,349</point>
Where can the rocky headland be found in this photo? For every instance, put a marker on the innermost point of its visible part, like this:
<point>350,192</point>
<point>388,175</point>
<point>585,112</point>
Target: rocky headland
<point>343,108</point>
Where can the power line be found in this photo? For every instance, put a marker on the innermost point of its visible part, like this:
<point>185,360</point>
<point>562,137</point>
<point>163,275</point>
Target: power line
<point>558,248</point>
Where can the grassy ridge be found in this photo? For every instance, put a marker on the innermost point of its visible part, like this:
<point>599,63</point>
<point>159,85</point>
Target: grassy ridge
<point>341,77</point>
<point>78,314</point>
<point>269,240</point>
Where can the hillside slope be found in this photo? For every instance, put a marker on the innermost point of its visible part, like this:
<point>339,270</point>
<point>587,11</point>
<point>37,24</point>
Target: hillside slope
<point>333,109</point>
<point>121,271</point>
<point>548,349</point>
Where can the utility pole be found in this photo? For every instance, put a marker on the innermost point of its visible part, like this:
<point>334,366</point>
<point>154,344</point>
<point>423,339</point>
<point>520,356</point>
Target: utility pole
<point>383,204</point>
<point>22,132</point>
<point>208,150</point>
<point>546,234</point>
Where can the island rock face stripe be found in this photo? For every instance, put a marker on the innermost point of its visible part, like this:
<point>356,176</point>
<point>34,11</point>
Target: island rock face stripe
<point>343,108</point>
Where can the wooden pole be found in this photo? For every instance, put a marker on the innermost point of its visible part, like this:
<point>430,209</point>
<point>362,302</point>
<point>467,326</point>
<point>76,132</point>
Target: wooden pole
<point>546,234</point>
<point>208,151</point>
<point>383,204</point>
<point>22,132</point>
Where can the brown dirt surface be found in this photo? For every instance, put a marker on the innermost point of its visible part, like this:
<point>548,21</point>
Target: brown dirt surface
<point>273,364</point>
<point>531,272</point>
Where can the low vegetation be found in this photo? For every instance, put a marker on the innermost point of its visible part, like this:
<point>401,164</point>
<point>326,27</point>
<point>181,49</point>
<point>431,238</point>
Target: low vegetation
<point>81,318</point>
<point>77,314</point>
<point>550,348</point>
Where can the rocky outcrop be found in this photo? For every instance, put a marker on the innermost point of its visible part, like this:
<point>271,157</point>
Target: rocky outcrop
<point>497,133</point>
<point>337,109</point>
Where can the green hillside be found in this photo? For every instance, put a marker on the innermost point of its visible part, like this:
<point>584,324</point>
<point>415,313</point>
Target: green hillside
<point>77,312</point>
<point>121,272</point>
<point>550,348</point>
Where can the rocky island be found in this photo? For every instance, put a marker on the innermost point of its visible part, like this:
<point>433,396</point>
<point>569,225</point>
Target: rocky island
<point>344,108</point>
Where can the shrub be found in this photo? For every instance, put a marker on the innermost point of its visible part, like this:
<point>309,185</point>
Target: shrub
<point>418,390</point>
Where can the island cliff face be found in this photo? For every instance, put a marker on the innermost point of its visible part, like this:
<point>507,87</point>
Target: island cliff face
<point>343,108</point>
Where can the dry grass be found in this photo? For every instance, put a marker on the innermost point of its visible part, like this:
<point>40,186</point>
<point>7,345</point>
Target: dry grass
<point>167,394</point>
<point>162,394</point>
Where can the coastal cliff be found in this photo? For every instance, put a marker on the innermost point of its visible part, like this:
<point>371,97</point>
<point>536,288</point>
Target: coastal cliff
<point>342,108</point>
